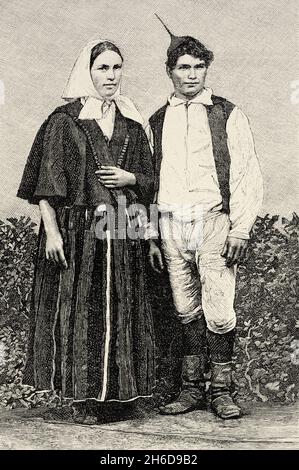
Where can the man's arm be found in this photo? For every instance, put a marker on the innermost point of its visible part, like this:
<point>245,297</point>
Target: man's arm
<point>152,226</point>
<point>246,185</point>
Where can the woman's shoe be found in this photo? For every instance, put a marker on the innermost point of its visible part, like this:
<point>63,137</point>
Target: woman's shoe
<point>79,413</point>
<point>90,419</point>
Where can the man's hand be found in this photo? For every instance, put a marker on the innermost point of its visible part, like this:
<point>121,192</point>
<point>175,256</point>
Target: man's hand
<point>54,249</point>
<point>113,177</point>
<point>155,257</point>
<point>234,250</point>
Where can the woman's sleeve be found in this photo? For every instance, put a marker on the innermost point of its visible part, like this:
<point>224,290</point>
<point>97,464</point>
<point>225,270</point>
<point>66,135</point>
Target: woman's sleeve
<point>144,171</point>
<point>44,175</point>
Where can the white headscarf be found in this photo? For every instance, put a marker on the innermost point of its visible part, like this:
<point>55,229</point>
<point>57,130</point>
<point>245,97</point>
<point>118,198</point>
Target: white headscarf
<point>80,85</point>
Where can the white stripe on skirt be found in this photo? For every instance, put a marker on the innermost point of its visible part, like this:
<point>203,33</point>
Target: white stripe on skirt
<point>108,326</point>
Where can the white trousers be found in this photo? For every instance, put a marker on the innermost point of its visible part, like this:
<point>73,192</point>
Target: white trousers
<point>201,282</point>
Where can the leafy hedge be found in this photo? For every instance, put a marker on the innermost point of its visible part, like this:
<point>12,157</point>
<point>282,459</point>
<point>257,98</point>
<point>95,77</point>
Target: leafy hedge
<point>266,353</point>
<point>267,302</point>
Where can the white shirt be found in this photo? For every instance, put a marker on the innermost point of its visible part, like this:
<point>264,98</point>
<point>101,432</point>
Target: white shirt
<point>188,174</point>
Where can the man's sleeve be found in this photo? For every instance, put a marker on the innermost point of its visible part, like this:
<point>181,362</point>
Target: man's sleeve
<point>246,186</point>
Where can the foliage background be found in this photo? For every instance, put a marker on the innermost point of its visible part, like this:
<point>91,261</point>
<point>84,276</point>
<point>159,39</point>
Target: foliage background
<point>267,348</point>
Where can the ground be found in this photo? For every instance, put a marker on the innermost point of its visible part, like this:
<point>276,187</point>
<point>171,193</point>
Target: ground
<point>262,427</point>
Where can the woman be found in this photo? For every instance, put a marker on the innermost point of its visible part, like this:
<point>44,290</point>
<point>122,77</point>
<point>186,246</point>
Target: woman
<point>91,334</point>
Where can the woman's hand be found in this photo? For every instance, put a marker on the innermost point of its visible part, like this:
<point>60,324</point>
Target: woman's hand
<point>54,249</point>
<point>54,243</point>
<point>114,177</point>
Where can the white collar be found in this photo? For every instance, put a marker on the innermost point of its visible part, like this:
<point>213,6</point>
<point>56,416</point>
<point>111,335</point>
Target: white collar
<point>202,98</point>
<point>92,108</point>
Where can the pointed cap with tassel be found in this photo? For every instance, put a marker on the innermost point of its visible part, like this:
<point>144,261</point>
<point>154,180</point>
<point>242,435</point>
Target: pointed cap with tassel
<point>176,41</point>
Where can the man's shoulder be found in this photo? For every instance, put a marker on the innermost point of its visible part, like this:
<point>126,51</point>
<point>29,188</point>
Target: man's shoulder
<point>217,100</point>
<point>220,99</point>
<point>158,114</point>
<point>225,103</point>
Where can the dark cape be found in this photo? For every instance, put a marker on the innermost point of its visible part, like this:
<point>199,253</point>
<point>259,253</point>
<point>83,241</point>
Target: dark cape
<point>91,331</point>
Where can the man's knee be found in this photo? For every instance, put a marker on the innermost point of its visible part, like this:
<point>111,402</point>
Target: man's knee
<point>187,316</point>
<point>221,325</point>
<point>187,298</point>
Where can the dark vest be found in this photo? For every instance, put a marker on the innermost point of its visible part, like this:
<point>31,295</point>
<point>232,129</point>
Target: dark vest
<point>218,114</point>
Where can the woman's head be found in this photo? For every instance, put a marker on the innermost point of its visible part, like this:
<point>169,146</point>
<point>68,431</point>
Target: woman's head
<point>106,68</point>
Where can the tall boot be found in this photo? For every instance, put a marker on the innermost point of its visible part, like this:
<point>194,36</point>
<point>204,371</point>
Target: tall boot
<point>221,350</point>
<point>192,394</point>
<point>222,402</point>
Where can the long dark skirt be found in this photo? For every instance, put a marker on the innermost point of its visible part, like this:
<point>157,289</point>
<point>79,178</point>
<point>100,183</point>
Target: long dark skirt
<point>91,331</point>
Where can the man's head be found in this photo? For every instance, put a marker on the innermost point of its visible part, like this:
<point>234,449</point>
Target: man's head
<point>187,67</point>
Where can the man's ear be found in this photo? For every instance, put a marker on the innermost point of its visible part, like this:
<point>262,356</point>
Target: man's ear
<point>168,71</point>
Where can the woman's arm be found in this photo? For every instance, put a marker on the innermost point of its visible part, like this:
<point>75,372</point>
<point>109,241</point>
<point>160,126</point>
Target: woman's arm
<point>54,243</point>
<point>141,173</point>
<point>44,174</point>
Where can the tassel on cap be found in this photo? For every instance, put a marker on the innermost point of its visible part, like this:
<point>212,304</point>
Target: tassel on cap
<point>176,41</point>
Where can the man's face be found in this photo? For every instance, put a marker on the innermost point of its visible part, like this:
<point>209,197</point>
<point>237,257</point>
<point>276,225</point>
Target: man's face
<point>188,76</point>
<point>106,73</point>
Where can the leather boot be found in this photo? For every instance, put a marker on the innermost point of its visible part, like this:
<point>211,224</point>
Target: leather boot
<point>221,350</point>
<point>222,402</point>
<point>192,394</point>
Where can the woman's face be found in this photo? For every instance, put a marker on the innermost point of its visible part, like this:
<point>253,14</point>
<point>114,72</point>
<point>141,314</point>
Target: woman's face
<point>106,73</point>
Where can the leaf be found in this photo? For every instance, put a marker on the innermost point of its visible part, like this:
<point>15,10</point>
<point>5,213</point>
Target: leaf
<point>273,386</point>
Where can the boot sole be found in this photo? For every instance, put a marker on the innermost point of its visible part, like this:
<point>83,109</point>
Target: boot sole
<point>188,410</point>
<point>229,417</point>
<point>232,416</point>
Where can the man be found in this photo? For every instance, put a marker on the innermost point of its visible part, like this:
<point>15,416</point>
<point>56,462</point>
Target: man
<point>209,190</point>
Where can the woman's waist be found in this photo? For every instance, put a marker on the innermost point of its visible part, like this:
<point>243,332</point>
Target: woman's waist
<point>110,217</point>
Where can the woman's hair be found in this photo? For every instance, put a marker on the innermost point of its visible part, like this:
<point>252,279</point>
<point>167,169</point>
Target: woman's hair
<point>192,47</point>
<point>102,47</point>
